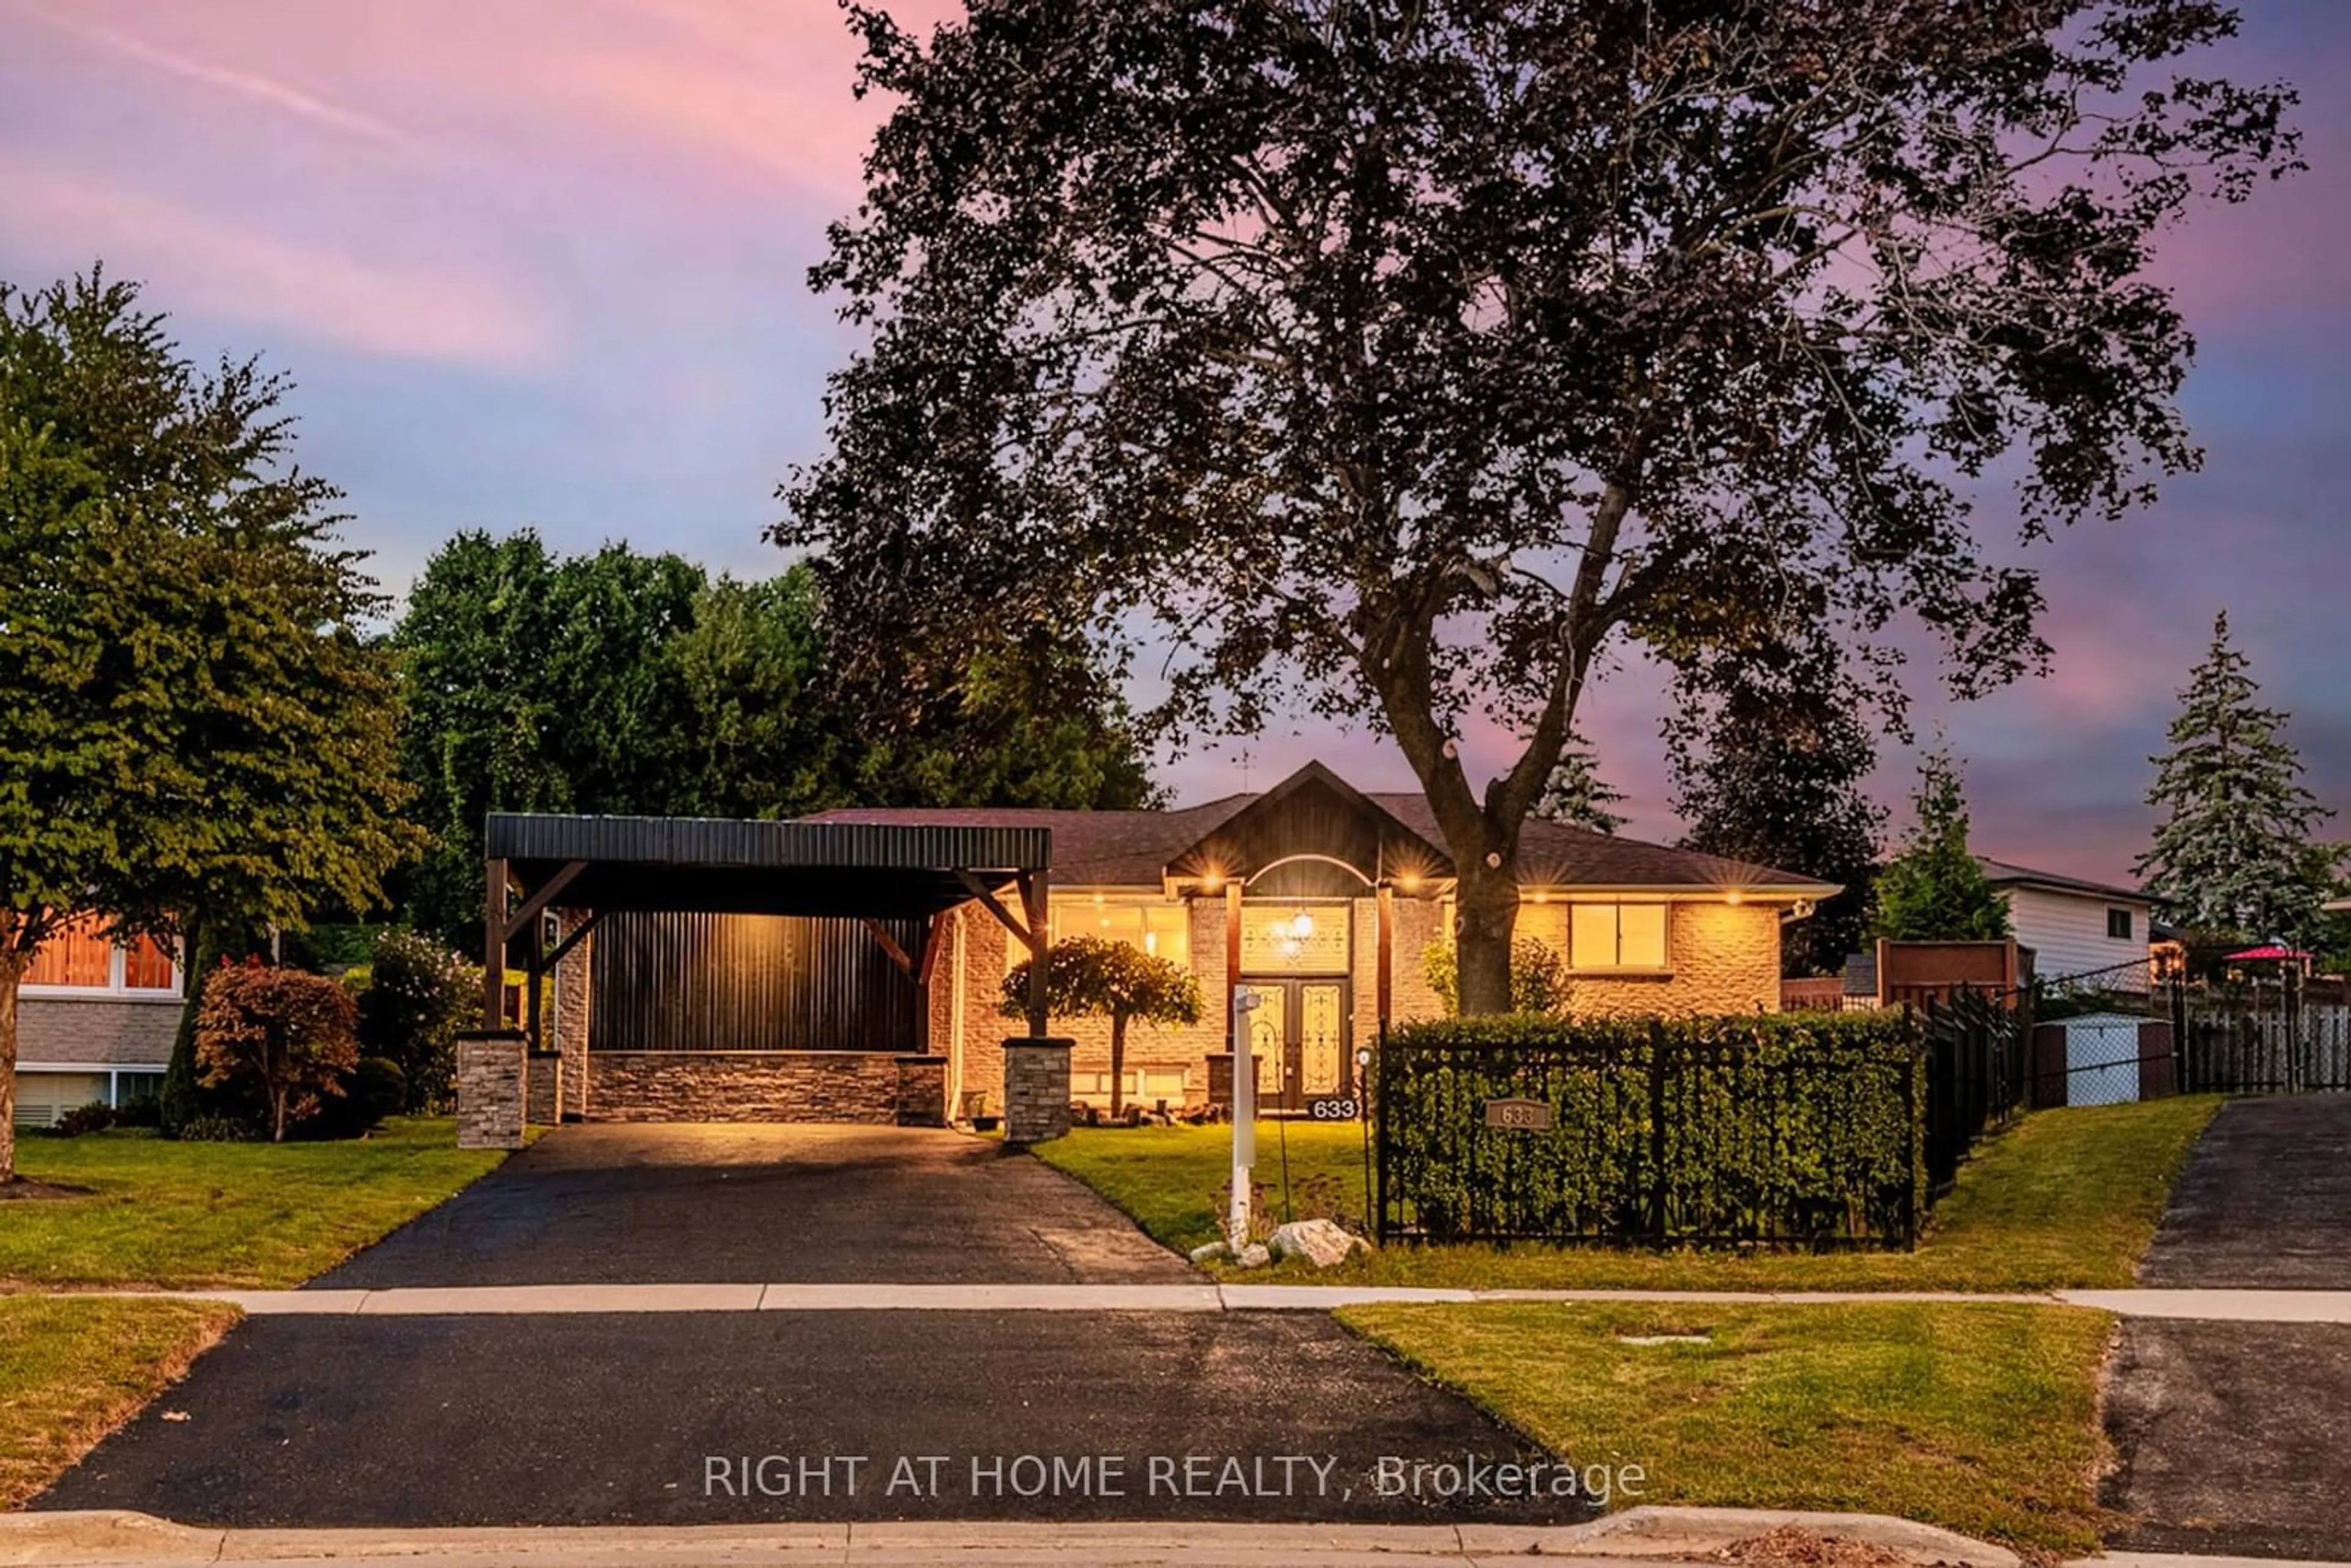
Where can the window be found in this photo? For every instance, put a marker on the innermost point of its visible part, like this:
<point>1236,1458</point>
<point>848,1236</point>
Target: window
<point>80,957</point>
<point>1616,936</point>
<point>2118,924</point>
<point>1162,929</point>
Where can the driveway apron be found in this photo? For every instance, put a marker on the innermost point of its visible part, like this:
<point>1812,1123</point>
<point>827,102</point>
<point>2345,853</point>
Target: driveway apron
<point>2235,1438</point>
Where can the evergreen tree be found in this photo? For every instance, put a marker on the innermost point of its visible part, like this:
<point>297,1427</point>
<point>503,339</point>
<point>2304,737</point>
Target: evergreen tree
<point>1934,891</point>
<point>1577,795</point>
<point>2234,852</point>
<point>1770,752</point>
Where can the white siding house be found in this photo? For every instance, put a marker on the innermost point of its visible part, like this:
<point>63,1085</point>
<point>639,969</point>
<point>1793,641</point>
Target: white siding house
<point>2075,926</point>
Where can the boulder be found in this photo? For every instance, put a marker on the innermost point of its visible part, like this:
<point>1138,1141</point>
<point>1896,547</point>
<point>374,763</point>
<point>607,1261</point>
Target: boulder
<point>1254,1256</point>
<point>1321,1242</point>
<point>1208,1252</point>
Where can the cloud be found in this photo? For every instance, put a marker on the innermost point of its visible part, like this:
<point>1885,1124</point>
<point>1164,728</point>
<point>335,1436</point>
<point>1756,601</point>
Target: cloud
<point>259,88</point>
<point>218,265</point>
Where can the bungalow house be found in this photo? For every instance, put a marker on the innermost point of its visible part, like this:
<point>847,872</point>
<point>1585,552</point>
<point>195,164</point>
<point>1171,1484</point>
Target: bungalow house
<point>683,988</point>
<point>95,1021</point>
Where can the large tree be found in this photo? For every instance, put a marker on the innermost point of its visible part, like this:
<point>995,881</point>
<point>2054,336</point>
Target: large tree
<point>1394,362</point>
<point>1770,758</point>
<point>617,682</point>
<point>2234,852</point>
<point>192,732</point>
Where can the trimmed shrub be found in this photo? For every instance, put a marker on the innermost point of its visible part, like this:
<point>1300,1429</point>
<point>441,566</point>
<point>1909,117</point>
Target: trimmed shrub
<point>95,1117</point>
<point>375,1089</point>
<point>217,1130</point>
<point>1788,1129</point>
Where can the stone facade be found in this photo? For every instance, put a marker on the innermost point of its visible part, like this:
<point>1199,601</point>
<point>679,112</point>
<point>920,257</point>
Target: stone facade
<point>1036,1090</point>
<point>490,1089</point>
<point>1724,957</point>
<point>743,1086</point>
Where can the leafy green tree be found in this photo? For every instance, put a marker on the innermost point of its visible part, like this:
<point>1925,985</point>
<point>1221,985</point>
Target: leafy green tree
<point>1088,976</point>
<point>1405,364</point>
<point>1935,891</point>
<point>192,731</point>
<point>750,672</point>
<point>1770,759</point>
<point>289,1036</point>
<point>2234,852</point>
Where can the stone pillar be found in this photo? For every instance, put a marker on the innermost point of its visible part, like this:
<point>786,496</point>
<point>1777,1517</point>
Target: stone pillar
<point>490,1088</point>
<point>543,1098</point>
<point>921,1091</point>
<point>1036,1089</point>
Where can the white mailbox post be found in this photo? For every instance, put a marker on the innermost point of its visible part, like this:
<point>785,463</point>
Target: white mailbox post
<point>1236,1225</point>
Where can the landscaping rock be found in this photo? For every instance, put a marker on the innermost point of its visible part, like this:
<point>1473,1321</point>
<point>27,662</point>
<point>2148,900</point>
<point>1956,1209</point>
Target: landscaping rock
<point>1254,1256</point>
<point>1324,1242</point>
<point>1210,1253</point>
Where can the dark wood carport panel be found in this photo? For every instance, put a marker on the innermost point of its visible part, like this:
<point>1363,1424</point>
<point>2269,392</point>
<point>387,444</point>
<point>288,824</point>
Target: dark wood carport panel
<point>862,871</point>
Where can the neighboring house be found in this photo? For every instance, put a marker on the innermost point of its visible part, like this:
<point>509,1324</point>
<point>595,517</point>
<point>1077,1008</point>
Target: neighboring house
<point>1322,899</point>
<point>2076,926</point>
<point>95,1020</point>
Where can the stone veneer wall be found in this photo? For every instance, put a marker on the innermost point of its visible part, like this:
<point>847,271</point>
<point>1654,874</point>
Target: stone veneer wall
<point>1036,1090</point>
<point>490,1089</point>
<point>743,1086</point>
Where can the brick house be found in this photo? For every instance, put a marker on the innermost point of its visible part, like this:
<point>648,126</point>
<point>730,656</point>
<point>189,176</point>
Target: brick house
<point>95,1020</point>
<point>1323,899</point>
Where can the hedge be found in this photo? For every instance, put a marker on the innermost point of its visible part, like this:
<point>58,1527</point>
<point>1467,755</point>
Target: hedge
<point>1790,1129</point>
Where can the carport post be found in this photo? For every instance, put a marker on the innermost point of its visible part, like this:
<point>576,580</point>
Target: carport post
<point>1040,940</point>
<point>494,942</point>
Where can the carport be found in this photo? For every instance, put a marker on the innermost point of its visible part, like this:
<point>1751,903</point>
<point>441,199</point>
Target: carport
<point>749,971</point>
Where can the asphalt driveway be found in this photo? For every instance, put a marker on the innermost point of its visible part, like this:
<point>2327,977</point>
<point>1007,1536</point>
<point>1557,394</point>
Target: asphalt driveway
<point>760,1204</point>
<point>667,1418</point>
<point>2235,1438</point>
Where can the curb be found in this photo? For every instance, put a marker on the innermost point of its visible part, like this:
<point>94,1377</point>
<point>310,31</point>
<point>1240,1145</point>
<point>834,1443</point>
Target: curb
<point>1642,1537</point>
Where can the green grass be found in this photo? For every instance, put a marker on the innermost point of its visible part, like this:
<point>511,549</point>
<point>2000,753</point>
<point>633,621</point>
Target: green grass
<point>71,1371</point>
<point>1981,1418</point>
<point>2063,1198</point>
<point>252,1216</point>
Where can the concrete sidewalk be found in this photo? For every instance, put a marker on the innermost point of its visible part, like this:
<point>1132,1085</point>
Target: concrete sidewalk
<point>1636,1538</point>
<point>2209,1306</point>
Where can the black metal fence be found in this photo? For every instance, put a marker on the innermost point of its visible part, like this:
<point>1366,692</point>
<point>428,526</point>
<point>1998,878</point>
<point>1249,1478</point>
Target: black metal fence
<point>1976,1045</point>
<point>1789,1130</point>
<point>2284,1038</point>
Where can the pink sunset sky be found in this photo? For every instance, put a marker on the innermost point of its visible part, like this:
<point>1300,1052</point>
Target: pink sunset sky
<point>540,262</point>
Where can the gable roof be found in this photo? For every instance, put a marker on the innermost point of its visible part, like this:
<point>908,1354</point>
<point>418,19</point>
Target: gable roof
<point>1134,848</point>
<point>2006,873</point>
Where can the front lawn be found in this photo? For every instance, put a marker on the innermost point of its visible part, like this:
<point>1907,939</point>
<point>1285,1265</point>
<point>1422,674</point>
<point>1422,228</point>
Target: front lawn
<point>73,1370</point>
<point>2063,1198</point>
<point>1981,1418</point>
<point>193,1216</point>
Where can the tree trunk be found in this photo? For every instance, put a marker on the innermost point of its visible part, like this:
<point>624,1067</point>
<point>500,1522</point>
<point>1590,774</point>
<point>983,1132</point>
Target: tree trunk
<point>277,1115</point>
<point>1117,1064</point>
<point>1486,909</point>
<point>11,973</point>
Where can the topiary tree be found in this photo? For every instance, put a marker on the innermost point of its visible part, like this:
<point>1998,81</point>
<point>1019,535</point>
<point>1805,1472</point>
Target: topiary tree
<point>1086,977</point>
<point>291,1035</point>
<point>1934,891</point>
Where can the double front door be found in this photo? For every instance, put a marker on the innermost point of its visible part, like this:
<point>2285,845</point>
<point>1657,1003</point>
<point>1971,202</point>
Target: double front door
<point>1300,1034</point>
